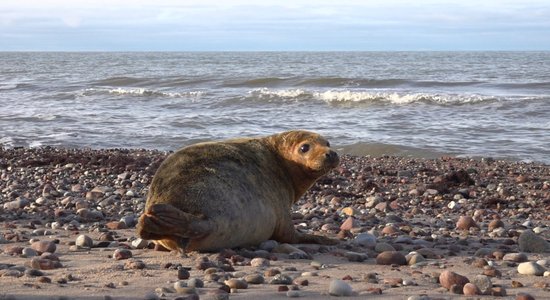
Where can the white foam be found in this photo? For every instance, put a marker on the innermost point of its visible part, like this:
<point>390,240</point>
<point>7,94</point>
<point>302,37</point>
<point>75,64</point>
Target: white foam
<point>397,97</point>
<point>143,92</point>
<point>290,93</point>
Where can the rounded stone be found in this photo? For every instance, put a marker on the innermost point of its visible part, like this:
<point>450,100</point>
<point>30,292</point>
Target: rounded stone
<point>391,258</point>
<point>236,284</point>
<point>524,296</point>
<point>28,252</point>
<point>448,278</point>
<point>120,254</point>
<point>528,241</point>
<point>515,257</point>
<point>483,282</point>
<point>381,247</point>
<point>195,283</point>
<point>183,273</point>
<point>259,262</point>
<point>339,288</point>
<point>465,223</point>
<point>471,289</point>
<point>44,246</point>
<point>531,268</point>
<point>84,241</point>
<point>254,279</point>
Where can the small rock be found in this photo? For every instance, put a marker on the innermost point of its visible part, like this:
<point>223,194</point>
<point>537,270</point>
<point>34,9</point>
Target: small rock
<point>515,257</point>
<point>195,283</point>
<point>140,243</point>
<point>448,278</point>
<point>120,254</point>
<point>281,279</point>
<point>356,256</point>
<point>44,246</point>
<point>471,289</point>
<point>84,241</point>
<point>530,268</point>
<point>254,279</point>
<point>528,241</point>
<point>339,288</point>
<point>268,245</point>
<point>494,224</point>
<point>28,252</point>
<point>259,262</point>
<point>390,258</point>
<point>134,264</point>
<point>524,296</point>
<point>499,291</point>
<point>183,273</point>
<point>484,284</point>
<point>236,284</point>
<point>465,223</point>
<point>366,240</point>
<point>381,247</point>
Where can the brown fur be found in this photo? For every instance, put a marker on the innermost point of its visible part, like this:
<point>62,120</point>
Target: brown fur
<point>234,193</point>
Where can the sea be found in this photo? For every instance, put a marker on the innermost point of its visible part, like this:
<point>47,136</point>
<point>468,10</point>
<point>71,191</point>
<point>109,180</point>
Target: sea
<point>419,104</point>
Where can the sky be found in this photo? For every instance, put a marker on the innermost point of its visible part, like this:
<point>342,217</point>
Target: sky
<point>274,25</point>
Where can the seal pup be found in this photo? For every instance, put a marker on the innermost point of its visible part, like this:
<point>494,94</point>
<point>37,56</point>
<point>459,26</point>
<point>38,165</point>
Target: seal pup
<point>234,193</point>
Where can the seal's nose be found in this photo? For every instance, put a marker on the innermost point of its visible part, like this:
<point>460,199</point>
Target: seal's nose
<point>332,155</point>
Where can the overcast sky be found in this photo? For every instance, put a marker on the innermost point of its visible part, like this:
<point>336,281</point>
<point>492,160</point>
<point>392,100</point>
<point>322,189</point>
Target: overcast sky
<point>170,25</point>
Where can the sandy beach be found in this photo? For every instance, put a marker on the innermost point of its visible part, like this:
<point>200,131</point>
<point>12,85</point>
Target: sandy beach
<point>68,232</point>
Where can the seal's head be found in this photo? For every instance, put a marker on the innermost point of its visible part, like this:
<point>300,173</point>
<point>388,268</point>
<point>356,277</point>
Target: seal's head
<point>307,151</point>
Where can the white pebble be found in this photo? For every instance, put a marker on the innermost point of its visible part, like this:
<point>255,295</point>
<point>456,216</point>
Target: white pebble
<point>339,288</point>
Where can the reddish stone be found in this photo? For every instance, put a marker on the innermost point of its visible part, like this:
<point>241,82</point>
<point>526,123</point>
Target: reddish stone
<point>448,278</point>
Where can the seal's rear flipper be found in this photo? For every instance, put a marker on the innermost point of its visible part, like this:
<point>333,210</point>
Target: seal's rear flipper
<point>171,227</point>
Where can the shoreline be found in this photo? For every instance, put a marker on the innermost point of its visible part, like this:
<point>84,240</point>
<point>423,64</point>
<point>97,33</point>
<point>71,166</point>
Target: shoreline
<point>407,204</point>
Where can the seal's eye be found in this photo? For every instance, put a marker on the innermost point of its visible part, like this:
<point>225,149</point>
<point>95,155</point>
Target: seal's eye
<point>304,148</point>
<point>328,144</point>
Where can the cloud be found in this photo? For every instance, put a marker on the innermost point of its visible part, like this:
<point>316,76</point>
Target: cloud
<point>270,24</point>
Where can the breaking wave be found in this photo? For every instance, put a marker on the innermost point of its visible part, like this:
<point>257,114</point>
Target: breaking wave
<point>369,97</point>
<point>142,92</point>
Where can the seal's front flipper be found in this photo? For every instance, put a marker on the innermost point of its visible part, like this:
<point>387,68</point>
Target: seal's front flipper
<point>171,227</point>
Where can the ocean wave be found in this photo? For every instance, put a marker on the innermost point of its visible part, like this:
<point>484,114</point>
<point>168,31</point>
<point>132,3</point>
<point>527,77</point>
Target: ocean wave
<point>336,97</point>
<point>141,92</point>
<point>368,97</point>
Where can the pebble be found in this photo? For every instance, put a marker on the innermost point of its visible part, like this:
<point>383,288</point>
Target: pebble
<point>259,262</point>
<point>254,279</point>
<point>366,240</point>
<point>356,256</point>
<point>28,252</point>
<point>195,283</point>
<point>44,246</point>
<point>391,258</point>
<point>530,268</point>
<point>340,288</point>
<point>120,254</point>
<point>381,247</point>
<point>524,296</point>
<point>528,241</point>
<point>515,257</point>
<point>236,283</point>
<point>448,278</point>
<point>140,243</point>
<point>268,245</point>
<point>471,289</point>
<point>465,223</point>
<point>483,283</point>
<point>281,279</point>
<point>183,273</point>
<point>84,241</point>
